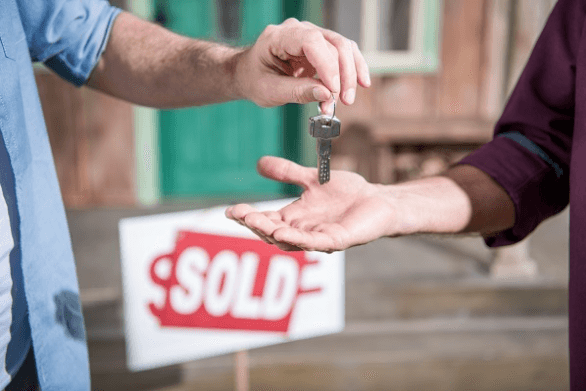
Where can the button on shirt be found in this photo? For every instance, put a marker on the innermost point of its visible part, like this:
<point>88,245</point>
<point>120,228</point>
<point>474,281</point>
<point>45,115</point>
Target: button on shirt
<point>538,154</point>
<point>39,273</point>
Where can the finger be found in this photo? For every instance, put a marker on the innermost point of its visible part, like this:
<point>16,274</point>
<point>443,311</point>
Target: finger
<point>263,227</point>
<point>286,171</point>
<point>228,212</point>
<point>347,64</point>
<point>361,66</point>
<point>311,43</point>
<point>287,247</point>
<point>239,212</point>
<point>274,216</point>
<point>305,224</point>
<point>307,240</point>
<point>327,107</point>
<point>261,236</point>
<point>261,223</point>
<point>286,89</point>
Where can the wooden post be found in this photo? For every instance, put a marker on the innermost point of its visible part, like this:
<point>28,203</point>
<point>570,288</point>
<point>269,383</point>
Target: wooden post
<point>514,262</point>
<point>241,371</point>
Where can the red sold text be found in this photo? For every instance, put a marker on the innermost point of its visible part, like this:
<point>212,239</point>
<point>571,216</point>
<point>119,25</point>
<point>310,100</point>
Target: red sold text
<point>222,282</point>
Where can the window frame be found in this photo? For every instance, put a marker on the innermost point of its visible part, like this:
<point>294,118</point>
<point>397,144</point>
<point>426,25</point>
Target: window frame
<point>423,55</point>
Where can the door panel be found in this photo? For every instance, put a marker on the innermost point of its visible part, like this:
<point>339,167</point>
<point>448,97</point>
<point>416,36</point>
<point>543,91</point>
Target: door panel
<point>212,150</point>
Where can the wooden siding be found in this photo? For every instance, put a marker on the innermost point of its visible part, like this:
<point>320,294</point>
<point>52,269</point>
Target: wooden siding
<point>484,45</point>
<point>92,140</point>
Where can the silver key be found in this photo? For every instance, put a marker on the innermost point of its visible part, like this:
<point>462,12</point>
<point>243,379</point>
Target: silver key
<point>324,128</point>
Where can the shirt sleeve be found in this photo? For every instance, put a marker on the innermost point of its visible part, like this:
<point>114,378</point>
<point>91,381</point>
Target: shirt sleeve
<point>530,153</point>
<point>69,36</point>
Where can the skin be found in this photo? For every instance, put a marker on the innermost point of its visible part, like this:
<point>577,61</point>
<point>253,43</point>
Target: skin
<point>294,62</point>
<point>349,211</point>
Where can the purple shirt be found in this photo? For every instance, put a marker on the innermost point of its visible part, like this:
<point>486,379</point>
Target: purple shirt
<point>538,154</point>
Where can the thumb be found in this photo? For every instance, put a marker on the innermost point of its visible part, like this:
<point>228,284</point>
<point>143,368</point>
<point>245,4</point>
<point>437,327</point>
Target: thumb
<point>288,89</point>
<point>284,170</point>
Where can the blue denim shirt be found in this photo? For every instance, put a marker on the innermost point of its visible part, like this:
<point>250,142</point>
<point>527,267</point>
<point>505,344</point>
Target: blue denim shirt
<point>69,37</point>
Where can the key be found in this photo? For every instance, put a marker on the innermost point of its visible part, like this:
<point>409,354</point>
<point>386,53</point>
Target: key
<point>324,128</point>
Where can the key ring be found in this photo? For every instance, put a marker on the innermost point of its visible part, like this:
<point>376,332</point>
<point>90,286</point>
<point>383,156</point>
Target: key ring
<point>334,112</point>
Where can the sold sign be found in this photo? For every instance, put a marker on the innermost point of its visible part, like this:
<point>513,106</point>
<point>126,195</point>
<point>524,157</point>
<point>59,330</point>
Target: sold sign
<point>220,282</point>
<point>199,285</point>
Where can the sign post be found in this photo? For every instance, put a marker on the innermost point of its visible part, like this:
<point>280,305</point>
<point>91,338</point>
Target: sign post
<point>241,371</point>
<point>198,285</point>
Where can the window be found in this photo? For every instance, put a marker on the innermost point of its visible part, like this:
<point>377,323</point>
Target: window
<point>394,35</point>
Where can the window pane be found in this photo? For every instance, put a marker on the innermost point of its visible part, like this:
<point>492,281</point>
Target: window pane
<point>394,17</point>
<point>343,16</point>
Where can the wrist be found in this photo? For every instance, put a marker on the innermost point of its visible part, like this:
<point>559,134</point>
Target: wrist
<point>429,205</point>
<point>235,68</point>
<point>400,215</point>
<point>216,66</point>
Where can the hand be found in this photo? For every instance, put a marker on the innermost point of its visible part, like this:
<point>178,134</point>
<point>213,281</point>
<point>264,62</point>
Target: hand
<point>281,66</point>
<point>345,212</point>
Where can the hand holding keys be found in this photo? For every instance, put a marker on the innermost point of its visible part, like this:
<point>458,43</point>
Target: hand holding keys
<point>324,128</point>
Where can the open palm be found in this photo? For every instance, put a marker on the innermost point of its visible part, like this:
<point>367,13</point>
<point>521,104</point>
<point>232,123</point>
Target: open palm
<point>345,212</point>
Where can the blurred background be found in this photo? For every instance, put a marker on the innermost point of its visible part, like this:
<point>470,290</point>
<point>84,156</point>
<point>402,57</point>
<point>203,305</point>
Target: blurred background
<point>422,313</point>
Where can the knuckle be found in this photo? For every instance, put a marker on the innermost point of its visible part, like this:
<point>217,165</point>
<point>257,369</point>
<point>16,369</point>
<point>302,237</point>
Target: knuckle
<point>269,30</point>
<point>353,44</point>
<point>295,223</point>
<point>343,43</point>
<point>250,219</point>
<point>279,236</point>
<point>312,36</point>
<point>291,21</point>
<point>287,217</point>
<point>297,95</point>
<point>337,240</point>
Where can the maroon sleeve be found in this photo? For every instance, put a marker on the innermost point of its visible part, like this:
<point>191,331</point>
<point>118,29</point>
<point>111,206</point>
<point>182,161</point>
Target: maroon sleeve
<point>530,153</point>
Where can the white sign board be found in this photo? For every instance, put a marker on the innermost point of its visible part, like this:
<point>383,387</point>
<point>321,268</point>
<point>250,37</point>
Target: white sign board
<point>198,285</point>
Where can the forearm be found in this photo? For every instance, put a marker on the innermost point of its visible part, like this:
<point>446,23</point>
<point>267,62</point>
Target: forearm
<point>146,64</point>
<point>464,199</point>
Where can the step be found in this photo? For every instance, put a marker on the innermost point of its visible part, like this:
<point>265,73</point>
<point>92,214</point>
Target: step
<point>446,343</point>
<point>378,302</point>
<point>462,354</point>
<point>384,299</point>
<point>375,299</point>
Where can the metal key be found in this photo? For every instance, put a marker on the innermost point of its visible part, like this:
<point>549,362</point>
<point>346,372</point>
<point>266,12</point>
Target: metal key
<point>324,128</point>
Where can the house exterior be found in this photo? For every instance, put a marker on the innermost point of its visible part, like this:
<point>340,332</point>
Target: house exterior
<point>418,116</point>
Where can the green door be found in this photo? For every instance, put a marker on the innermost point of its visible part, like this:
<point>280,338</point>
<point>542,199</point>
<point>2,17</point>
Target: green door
<point>212,150</point>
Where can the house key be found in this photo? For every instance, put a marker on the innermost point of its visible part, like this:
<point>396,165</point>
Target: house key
<point>324,128</point>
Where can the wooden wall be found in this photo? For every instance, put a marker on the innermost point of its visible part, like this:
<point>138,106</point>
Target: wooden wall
<point>92,140</point>
<point>410,120</point>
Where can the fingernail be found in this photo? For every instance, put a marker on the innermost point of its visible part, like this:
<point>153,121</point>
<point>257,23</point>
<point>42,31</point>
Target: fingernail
<point>336,82</point>
<point>349,95</point>
<point>327,108</point>
<point>320,95</point>
<point>368,79</point>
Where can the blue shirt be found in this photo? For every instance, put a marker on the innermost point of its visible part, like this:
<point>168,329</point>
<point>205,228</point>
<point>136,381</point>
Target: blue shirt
<point>69,37</point>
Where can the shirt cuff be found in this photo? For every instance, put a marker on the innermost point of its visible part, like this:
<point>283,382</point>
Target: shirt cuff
<point>538,187</point>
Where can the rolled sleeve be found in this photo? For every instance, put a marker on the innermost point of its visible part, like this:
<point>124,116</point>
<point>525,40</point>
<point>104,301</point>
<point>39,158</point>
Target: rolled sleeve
<point>69,36</point>
<point>531,151</point>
